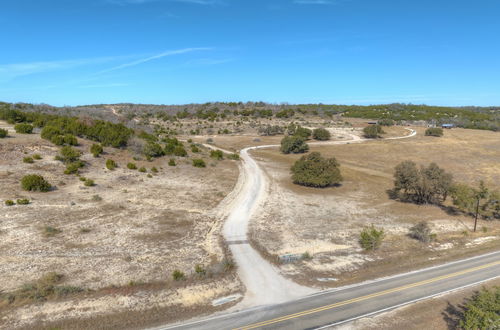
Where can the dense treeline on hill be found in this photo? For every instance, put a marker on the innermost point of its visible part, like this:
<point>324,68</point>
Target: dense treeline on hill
<point>107,133</point>
<point>467,117</point>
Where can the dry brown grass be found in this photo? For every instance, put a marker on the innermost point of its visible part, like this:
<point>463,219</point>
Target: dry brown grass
<point>326,222</point>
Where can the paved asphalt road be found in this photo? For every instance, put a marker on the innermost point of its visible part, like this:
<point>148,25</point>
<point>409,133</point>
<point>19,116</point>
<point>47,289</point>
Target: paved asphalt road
<point>347,303</point>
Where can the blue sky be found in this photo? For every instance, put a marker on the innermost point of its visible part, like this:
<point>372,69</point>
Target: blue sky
<point>71,52</point>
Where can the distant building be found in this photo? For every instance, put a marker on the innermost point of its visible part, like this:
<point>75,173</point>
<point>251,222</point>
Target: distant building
<point>447,125</point>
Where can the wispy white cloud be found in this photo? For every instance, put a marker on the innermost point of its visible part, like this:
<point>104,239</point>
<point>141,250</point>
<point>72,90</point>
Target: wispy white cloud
<point>11,71</point>
<point>155,57</point>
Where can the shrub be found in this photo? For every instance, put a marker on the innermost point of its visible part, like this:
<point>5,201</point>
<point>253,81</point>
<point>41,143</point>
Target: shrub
<point>58,140</point>
<point>132,166</point>
<point>142,169</point>
<point>199,163</point>
<point>434,131</point>
<point>70,139</point>
<point>386,122</point>
<point>23,201</point>
<point>68,154</point>
<point>154,169</point>
<point>110,164</point>
<point>315,171</point>
<point>96,198</point>
<point>96,149</point>
<point>194,148</point>
<point>217,154</point>
<point>180,151</point>
<point>371,238</point>
<point>9,202</point>
<point>153,149</point>
<point>482,310</point>
<point>200,270</point>
<point>171,162</point>
<point>37,156</point>
<point>89,183</point>
<point>293,144</point>
<point>51,231</point>
<point>303,132</point>
<point>177,275</point>
<point>321,134</point>
<point>35,182</point>
<point>421,232</point>
<point>373,131</point>
<point>3,133</point>
<point>72,168</point>
<point>234,156</point>
<point>28,160</point>
<point>23,128</point>
<point>270,130</point>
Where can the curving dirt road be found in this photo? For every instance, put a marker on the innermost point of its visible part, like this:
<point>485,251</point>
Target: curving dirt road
<point>264,284</point>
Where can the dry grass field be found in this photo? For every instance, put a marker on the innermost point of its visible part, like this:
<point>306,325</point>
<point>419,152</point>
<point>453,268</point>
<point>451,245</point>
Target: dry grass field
<point>131,229</point>
<point>326,222</point>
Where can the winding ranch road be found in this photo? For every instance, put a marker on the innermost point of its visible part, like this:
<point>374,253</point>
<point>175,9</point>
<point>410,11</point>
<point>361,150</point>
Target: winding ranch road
<point>282,303</point>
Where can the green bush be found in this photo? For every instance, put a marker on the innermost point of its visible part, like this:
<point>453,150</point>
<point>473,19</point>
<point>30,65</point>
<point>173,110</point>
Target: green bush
<point>23,201</point>
<point>371,238</point>
<point>171,162</point>
<point>35,182</point>
<point>9,202</point>
<point>37,156</point>
<point>234,156</point>
<point>96,149</point>
<point>434,131</point>
<point>482,311</point>
<point>28,160</point>
<point>154,169</point>
<point>132,166</point>
<point>89,183</point>
<point>177,275</point>
<point>3,133</point>
<point>315,171</point>
<point>24,128</point>
<point>72,168</point>
<point>199,163</point>
<point>194,148</point>
<point>70,139</point>
<point>321,134</point>
<point>58,140</point>
<point>373,131</point>
<point>110,164</point>
<point>180,151</point>
<point>142,169</point>
<point>386,122</point>
<point>153,149</point>
<point>68,154</point>
<point>217,154</point>
<point>199,270</point>
<point>293,144</point>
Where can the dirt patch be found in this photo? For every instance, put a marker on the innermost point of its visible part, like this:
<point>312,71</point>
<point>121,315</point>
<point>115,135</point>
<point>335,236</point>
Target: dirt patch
<point>129,227</point>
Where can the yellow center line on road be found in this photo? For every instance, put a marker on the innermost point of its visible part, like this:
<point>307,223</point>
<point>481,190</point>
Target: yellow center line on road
<point>373,295</point>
